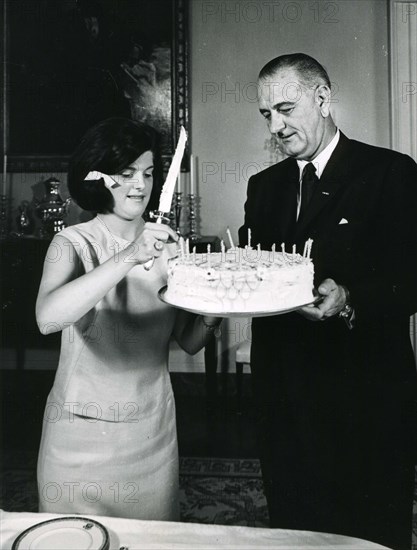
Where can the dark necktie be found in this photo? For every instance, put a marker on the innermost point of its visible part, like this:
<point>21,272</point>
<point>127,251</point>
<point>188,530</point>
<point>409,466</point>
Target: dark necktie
<point>308,182</point>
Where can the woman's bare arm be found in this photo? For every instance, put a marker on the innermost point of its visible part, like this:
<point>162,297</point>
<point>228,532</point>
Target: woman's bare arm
<point>64,296</point>
<point>192,332</point>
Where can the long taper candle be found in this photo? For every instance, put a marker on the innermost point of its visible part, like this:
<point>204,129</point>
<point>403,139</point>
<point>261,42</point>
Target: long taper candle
<point>192,174</point>
<point>4,186</point>
<point>182,247</point>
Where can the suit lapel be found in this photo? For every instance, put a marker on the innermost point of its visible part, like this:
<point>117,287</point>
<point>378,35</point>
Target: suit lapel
<point>334,177</point>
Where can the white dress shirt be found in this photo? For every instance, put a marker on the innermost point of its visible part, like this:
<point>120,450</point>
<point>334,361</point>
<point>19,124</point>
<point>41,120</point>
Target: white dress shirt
<point>319,162</point>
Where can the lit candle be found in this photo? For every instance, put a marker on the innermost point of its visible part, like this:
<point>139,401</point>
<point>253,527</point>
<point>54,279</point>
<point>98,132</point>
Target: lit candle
<point>4,186</point>
<point>229,235</point>
<point>192,174</point>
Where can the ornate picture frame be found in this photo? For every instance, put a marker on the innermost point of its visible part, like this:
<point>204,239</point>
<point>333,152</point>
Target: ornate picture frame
<point>69,63</point>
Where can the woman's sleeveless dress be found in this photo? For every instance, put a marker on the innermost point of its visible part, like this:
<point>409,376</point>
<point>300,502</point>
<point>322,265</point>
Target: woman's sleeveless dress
<point>109,442</point>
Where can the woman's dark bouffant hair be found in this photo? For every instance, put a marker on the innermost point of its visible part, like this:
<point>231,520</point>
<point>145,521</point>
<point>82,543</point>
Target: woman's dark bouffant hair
<point>110,147</point>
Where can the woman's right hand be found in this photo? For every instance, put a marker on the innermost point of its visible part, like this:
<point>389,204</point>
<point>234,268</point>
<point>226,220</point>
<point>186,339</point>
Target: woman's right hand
<point>151,242</point>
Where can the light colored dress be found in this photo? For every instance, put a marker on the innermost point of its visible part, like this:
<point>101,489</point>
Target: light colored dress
<point>109,442</point>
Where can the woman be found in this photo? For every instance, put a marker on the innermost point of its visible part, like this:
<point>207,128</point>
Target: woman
<point>109,444</point>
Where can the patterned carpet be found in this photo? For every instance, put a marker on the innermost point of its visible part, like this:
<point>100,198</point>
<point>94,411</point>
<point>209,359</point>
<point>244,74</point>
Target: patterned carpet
<point>222,491</point>
<point>212,490</point>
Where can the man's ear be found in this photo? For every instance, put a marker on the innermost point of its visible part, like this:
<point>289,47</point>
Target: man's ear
<point>323,96</point>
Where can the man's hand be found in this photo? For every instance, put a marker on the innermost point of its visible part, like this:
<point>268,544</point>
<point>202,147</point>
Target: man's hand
<point>334,301</point>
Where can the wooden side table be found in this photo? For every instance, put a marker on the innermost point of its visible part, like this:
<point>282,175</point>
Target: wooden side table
<point>22,263</point>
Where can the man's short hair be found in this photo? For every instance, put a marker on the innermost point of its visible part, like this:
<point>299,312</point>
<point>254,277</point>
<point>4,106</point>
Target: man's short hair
<point>311,72</point>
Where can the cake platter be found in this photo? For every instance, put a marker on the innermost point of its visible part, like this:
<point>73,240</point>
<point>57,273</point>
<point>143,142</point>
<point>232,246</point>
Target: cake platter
<point>258,313</point>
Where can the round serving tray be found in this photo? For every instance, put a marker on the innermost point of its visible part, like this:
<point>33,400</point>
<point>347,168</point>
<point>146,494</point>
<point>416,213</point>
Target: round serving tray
<point>75,532</point>
<point>162,297</point>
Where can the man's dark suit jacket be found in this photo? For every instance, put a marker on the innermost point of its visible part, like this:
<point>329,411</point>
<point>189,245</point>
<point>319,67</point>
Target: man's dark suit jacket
<point>337,407</point>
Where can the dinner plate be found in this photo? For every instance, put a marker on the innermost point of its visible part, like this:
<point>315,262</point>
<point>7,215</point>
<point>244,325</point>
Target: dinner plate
<point>73,532</point>
<point>269,313</point>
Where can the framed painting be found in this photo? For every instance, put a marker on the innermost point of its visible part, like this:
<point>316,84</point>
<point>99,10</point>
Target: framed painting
<point>68,64</point>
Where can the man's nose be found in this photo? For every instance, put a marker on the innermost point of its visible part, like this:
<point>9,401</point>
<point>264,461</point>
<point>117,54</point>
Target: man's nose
<point>277,123</point>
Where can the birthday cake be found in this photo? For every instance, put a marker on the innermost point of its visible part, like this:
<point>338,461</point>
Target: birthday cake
<point>240,281</point>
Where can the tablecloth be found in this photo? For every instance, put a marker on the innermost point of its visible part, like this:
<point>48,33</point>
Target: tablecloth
<point>159,535</point>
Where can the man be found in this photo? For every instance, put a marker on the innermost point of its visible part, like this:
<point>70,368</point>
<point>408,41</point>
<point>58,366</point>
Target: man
<point>335,382</point>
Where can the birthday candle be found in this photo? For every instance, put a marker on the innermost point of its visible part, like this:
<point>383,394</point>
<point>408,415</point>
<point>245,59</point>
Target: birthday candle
<point>293,249</point>
<point>209,255</point>
<point>305,250</point>
<point>249,236</point>
<point>310,244</point>
<point>273,252</point>
<point>194,254</point>
<point>182,247</point>
<point>223,250</point>
<point>187,248</point>
<point>229,235</point>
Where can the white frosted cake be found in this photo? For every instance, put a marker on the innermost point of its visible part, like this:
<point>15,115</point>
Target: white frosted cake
<point>240,281</point>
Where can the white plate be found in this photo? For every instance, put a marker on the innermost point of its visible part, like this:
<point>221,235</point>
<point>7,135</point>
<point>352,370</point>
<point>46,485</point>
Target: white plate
<point>162,297</point>
<point>77,533</point>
